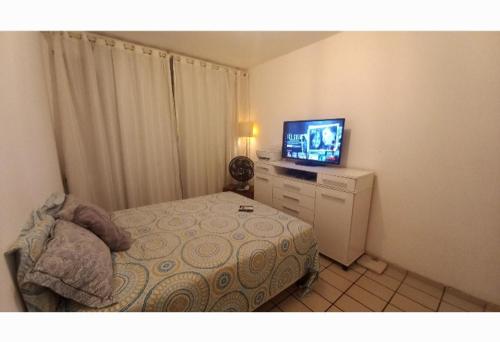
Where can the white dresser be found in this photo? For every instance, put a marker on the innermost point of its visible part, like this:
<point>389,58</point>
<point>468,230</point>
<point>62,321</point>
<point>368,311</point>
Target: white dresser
<point>335,200</point>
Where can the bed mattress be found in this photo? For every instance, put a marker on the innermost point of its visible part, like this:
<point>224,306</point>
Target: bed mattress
<point>202,254</point>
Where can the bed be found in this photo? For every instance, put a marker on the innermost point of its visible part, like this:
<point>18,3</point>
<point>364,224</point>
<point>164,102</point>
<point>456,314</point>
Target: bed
<point>202,254</point>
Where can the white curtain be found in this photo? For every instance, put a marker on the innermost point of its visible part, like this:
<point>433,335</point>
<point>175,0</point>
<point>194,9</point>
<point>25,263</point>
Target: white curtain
<point>206,100</point>
<point>114,121</point>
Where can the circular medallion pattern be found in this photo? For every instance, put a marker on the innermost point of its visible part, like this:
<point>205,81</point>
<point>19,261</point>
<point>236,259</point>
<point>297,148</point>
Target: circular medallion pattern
<point>187,291</point>
<point>263,227</point>
<point>238,236</point>
<point>208,251</point>
<point>129,281</point>
<point>284,245</point>
<point>233,301</point>
<point>189,206</point>
<point>165,267</point>
<point>223,280</point>
<point>256,260</point>
<point>219,224</point>
<point>303,237</point>
<point>176,222</point>
<point>134,218</point>
<point>259,297</point>
<point>285,274</point>
<point>153,246</point>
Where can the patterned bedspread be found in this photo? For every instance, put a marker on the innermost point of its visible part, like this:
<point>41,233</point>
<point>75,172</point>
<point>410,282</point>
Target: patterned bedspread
<point>202,254</point>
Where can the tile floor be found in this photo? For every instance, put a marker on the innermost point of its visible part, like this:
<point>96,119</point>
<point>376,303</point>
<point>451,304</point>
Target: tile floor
<point>359,290</point>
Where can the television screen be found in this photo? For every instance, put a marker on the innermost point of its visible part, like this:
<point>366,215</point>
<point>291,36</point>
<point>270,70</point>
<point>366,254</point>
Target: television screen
<point>313,141</point>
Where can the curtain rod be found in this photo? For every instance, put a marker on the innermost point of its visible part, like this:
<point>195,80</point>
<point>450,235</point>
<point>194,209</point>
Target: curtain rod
<point>74,34</point>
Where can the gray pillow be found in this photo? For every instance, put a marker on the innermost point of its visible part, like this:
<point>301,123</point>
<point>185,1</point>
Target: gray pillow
<point>117,239</point>
<point>67,211</point>
<point>76,264</point>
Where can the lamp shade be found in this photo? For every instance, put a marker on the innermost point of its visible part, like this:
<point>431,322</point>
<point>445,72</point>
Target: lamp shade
<point>245,129</point>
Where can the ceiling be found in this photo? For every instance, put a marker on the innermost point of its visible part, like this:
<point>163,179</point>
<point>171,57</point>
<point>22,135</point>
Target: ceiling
<point>238,49</point>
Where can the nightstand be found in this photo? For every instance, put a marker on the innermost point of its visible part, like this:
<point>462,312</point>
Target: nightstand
<point>232,187</point>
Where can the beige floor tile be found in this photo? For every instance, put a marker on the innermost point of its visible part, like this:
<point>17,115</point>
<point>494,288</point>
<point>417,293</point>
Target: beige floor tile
<point>419,296</point>
<point>406,304</point>
<point>375,288</point>
<point>383,279</point>
<point>369,300</point>
<point>281,297</point>
<point>314,301</point>
<point>428,286</point>
<point>349,274</point>
<point>492,307</point>
<point>326,290</point>
<point>462,300</point>
<point>276,309</point>
<point>333,308</point>
<point>395,272</point>
<point>391,308</point>
<point>324,261</point>
<point>445,307</point>
<point>347,304</point>
<point>358,268</point>
<point>335,280</point>
<point>292,304</point>
<point>268,306</point>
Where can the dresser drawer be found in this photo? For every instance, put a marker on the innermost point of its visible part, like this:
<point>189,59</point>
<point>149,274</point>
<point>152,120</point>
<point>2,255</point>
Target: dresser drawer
<point>304,214</point>
<point>264,168</point>
<point>294,186</point>
<point>293,198</point>
<point>340,183</point>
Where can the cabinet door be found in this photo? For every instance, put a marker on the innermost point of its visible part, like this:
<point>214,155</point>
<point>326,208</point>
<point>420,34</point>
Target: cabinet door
<point>263,189</point>
<point>332,223</point>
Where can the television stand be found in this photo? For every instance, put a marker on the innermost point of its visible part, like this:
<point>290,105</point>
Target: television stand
<point>336,201</point>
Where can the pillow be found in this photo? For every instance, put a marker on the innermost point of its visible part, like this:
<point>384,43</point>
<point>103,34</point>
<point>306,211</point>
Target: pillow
<point>77,265</point>
<point>101,225</point>
<point>71,203</point>
<point>28,248</point>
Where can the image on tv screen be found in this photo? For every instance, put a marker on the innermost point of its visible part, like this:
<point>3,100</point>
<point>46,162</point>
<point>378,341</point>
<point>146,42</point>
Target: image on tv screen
<point>318,140</point>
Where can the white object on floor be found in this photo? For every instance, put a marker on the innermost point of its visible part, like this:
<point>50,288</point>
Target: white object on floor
<point>370,263</point>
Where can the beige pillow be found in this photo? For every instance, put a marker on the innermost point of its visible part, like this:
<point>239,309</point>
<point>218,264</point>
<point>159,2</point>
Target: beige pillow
<point>77,265</point>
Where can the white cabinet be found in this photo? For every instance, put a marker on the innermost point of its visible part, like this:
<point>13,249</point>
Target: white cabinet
<point>335,200</point>
<point>332,223</point>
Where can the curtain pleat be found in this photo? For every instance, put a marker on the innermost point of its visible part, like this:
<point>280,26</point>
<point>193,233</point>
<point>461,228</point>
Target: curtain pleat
<point>207,114</point>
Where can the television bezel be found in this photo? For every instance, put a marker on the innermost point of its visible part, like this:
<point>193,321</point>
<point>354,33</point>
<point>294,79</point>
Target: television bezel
<point>317,162</point>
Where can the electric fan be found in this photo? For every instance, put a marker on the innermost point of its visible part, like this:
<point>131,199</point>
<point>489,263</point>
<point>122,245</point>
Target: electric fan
<point>241,169</point>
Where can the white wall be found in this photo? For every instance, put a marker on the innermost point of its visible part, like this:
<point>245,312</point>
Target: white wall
<point>424,114</point>
<point>29,170</point>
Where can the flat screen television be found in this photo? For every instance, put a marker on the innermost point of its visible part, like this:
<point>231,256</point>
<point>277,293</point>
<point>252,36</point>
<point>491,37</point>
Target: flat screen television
<point>313,142</point>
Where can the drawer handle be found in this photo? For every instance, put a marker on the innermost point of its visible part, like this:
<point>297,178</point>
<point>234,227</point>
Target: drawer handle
<point>290,209</point>
<point>291,198</point>
<point>262,178</point>
<point>340,199</point>
<point>291,186</point>
<point>335,183</point>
